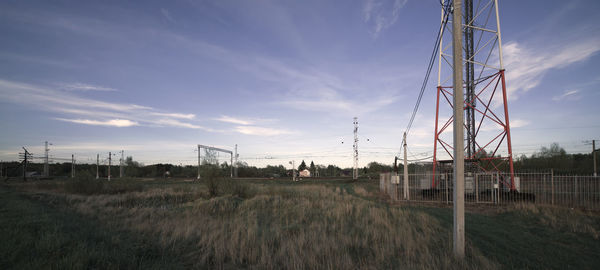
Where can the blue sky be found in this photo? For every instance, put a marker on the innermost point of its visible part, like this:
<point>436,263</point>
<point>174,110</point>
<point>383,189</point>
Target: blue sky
<point>282,79</point>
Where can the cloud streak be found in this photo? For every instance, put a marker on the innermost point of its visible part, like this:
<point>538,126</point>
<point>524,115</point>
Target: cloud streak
<point>381,14</point>
<point>566,94</point>
<point>526,67</point>
<point>233,120</point>
<point>261,131</point>
<point>102,113</point>
<point>84,87</point>
<point>111,123</point>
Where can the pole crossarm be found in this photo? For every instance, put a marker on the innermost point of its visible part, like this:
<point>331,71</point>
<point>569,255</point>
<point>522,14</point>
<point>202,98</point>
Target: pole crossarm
<point>215,149</point>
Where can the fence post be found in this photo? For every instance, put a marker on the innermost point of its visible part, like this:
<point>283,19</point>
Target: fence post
<point>446,176</point>
<point>552,184</point>
<point>498,190</point>
<point>576,196</point>
<point>476,187</point>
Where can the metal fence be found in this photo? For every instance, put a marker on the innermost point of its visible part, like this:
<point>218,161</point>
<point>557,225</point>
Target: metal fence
<point>494,189</point>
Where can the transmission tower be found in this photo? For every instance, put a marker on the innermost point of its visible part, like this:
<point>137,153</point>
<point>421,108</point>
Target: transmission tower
<point>355,146</point>
<point>486,123</point>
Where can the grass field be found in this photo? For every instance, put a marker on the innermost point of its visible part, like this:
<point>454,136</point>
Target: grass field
<point>273,224</point>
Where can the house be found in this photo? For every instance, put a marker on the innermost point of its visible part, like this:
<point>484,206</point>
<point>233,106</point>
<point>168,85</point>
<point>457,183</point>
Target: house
<point>304,173</point>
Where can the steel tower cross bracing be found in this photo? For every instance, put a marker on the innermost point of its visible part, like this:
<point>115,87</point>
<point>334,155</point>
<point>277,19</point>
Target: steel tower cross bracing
<point>488,144</point>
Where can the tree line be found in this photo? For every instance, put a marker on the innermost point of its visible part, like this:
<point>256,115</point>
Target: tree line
<point>553,157</point>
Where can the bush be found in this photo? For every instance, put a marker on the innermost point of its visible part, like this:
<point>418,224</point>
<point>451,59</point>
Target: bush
<point>212,179</point>
<point>236,188</point>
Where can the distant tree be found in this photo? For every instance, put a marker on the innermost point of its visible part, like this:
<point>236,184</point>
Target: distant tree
<point>210,157</point>
<point>332,171</point>
<point>302,166</point>
<point>553,151</point>
<point>312,168</point>
<point>132,168</point>
<point>376,168</point>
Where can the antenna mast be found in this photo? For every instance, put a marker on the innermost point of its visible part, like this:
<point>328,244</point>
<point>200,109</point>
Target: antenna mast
<point>355,171</point>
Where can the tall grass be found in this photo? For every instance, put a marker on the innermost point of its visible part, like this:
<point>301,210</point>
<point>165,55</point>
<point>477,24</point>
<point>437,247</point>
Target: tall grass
<point>301,227</point>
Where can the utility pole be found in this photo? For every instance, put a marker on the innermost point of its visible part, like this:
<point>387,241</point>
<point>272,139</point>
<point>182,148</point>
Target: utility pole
<point>594,156</point>
<point>459,154</point>
<point>46,166</point>
<point>406,193</point>
<point>121,165</point>
<point>26,155</point>
<point>109,163</point>
<point>97,165</point>
<point>198,162</point>
<point>355,171</point>
<point>235,172</point>
<point>293,170</point>
<point>72,166</point>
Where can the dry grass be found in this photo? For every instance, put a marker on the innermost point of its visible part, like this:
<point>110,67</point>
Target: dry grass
<point>280,227</point>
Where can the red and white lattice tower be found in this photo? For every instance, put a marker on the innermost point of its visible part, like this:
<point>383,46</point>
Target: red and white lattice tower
<point>487,124</point>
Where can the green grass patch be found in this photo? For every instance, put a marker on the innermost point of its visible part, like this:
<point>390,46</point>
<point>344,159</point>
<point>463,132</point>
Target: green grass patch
<point>35,235</point>
<point>522,240</point>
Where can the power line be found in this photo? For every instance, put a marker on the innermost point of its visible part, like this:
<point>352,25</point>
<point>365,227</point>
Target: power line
<point>447,11</point>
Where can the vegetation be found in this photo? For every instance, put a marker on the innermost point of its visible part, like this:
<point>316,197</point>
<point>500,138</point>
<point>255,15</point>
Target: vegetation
<point>553,157</point>
<point>271,224</point>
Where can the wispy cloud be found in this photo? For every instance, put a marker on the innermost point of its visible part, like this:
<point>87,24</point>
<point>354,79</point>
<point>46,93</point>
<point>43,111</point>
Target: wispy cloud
<point>84,87</point>
<point>233,120</point>
<point>566,94</point>
<point>101,112</point>
<point>176,115</point>
<point>165,12</point>
<point>261,131</point>
<point>112,122</point>
<point>517,123</point>
<point>526,67</point>
<point>334,101</point>
<point>176,123</point>
<point>381,14</point>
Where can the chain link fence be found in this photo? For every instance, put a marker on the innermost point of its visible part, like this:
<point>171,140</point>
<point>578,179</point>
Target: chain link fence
<point>573,191</point>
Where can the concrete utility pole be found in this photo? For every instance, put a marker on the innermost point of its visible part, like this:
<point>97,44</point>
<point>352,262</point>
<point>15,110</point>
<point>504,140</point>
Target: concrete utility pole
<point>594,156</point>
<point>121,165</point>
<point>26,155</point>
<point>97,165</point>
<point>46,166</point>
<point>355,170</point>
<point>109,163</point>
<point>72,166</point>
<point>293,170</point>
<point>458,234</point>
<point>406,193</point>
<point>198,163</point>
<point>235,169</point>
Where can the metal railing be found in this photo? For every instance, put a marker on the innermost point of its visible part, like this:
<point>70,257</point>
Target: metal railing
<point>574,191</point>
